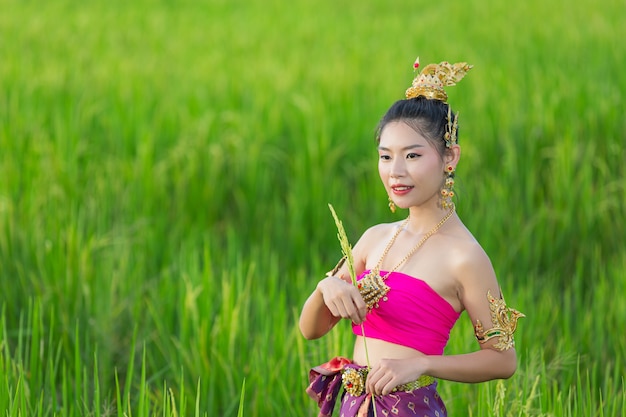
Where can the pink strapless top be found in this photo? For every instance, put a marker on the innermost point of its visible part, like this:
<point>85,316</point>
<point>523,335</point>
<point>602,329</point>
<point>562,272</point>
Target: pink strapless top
<point>414,315</point>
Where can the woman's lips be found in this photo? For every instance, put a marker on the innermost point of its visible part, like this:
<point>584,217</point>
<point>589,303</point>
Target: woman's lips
<point>401,189</point>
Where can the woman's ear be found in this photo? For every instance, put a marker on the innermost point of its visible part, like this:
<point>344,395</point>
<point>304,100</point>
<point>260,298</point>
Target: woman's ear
<point>452,155</point>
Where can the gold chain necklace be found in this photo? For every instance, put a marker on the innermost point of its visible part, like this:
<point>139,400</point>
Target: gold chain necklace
<point>372,286</point>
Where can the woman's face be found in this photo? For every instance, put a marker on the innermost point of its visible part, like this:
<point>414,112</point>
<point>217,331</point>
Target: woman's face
<point>410,167</point>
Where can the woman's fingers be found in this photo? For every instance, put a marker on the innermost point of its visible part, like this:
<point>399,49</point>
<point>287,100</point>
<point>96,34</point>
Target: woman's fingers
<point>361,309</point>
<point>343,299</point>
<point>379,383</point>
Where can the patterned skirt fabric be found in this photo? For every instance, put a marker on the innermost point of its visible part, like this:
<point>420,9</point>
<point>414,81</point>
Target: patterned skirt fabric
<point>325,386</point>
<point>422,402</point>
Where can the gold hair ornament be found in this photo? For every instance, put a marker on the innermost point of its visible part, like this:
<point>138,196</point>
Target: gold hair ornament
<point>505,324</point>
<point>430,82</point>
<point>451,128</point>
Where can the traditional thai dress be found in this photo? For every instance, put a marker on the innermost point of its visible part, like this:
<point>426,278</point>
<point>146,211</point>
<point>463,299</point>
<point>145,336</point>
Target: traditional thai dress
<point>412,314</point>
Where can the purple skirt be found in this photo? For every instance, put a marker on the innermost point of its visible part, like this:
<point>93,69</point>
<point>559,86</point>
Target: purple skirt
<point>422,402</point>
<point>325,385</point>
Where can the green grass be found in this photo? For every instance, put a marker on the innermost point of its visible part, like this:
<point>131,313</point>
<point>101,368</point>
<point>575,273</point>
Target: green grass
<point>166,169</point>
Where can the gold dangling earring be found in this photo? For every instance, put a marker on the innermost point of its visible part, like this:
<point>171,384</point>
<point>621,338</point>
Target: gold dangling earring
<point>447,192</point>
<point>392,205</point>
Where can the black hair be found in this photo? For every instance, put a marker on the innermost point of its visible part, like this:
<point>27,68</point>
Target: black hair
<point>426,116</point>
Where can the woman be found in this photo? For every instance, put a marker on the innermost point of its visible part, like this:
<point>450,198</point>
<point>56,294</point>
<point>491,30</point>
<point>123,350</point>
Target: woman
<point>415,277</point>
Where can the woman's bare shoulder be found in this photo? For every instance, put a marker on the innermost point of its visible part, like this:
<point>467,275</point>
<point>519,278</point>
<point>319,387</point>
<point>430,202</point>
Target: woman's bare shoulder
<point>471,266</point>
<point>379,231</point>
<point>372,238</point>
<point>467,256</point>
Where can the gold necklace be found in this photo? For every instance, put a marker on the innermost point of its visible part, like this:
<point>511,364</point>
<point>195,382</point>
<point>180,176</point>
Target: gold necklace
<point>372,286</point>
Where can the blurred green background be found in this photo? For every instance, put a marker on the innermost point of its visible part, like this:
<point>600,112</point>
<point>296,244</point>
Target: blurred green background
<point>165,170</point>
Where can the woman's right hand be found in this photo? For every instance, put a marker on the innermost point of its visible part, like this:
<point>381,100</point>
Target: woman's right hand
<point>342,299</point>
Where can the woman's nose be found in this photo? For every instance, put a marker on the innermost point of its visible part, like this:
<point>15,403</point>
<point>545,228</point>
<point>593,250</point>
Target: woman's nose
<point>397,168</point>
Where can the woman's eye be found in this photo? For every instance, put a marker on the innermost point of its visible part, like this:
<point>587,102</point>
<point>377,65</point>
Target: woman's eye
<point>412,156</point>
<point>385,157</point>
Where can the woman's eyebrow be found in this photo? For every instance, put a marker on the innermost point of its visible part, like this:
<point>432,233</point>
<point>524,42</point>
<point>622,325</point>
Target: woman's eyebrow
<point>406,148</point>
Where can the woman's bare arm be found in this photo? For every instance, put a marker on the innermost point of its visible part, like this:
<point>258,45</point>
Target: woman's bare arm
<point>335,297</point>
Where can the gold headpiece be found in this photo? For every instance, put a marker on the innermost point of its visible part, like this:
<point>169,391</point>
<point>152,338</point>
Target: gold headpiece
<point>434,77</point>
<point>430,82</point>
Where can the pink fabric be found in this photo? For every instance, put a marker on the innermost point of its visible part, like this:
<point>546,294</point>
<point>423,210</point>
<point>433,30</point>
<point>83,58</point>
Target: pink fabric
<point>414,315</point>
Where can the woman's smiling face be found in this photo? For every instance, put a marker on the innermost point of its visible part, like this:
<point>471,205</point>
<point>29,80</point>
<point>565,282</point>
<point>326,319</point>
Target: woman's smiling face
<point>410,167</point>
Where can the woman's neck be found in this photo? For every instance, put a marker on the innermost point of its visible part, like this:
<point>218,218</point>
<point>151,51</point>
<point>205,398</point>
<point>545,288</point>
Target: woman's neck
<point>423,219</point>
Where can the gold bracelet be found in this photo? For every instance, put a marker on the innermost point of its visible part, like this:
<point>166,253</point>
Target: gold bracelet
<point>333,271</point>
<point>505,324</point>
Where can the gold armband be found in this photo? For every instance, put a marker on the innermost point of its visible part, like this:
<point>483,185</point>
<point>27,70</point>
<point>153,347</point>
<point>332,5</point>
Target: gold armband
<point>333,271</point>
<point>504,320</point>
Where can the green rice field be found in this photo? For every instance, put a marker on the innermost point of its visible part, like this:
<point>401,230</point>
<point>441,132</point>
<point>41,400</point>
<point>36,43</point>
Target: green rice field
<point>166,168</point>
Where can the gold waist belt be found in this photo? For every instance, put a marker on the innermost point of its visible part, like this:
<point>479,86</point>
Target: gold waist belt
<point>354,381</point>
